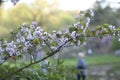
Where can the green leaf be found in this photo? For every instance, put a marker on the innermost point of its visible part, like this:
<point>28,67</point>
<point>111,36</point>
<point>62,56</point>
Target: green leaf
<point>36,41</point>
<point>79,31</point>
<point>91,33</point>
<point>67,35</point>
<point>87,14</point>
<point>4,46</point>
<point>82,40</point>
<point>99,28</point>
<point>13,32</point>
<point>53,44</point>
<point>58,35</point>
<point>20,46</point>
<point>20,56</point>
<point>77,37</point>
<point>117,29</point>
<point>106,26</point>
<point>82,12</point>
<point>83,23</point>
<point>48,53</point>
<point>71,29</point>
<point>59,62</point>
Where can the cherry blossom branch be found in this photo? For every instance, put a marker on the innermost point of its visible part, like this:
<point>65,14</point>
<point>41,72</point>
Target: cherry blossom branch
<point>50,54</point>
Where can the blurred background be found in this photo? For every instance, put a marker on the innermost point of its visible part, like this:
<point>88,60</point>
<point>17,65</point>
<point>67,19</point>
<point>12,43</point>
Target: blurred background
<point>102,55</point>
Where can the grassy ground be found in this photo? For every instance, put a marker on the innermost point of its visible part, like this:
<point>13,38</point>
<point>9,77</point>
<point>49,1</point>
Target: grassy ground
<point>95,62</point>
<point>92,60</point>
<point>95,59</point>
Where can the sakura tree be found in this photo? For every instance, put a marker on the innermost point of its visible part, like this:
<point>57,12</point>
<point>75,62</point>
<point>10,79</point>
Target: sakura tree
<point>31,39</point>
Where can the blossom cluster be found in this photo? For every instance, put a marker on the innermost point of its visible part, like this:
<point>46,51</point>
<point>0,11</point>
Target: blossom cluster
<point>32,38</point>
<point>14,1</point>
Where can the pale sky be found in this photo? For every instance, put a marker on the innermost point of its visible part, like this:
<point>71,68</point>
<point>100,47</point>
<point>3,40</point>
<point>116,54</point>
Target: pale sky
<point>69,4</point>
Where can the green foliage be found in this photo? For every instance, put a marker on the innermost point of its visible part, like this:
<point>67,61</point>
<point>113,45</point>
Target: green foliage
<point>46,15</point>
<point>115,44</point>
<point>71,29</point>
<point>57,71</point>
<point>96,59</point>
<point>104,15</point>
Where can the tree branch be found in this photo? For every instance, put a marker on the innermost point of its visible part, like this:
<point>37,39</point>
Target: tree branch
<point>51,54</point>
<point>19,70</point>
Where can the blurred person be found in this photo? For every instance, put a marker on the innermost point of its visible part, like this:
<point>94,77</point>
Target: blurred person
<point>81,66</point>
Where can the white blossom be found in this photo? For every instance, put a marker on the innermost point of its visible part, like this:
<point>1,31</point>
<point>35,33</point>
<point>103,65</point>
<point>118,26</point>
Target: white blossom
<point>17,53</point>
<point>113,34</point>
<point>1,49</point>
<point>49,35</point>
<point>84,43</point>
<point>56,56</point>
<point>91,12</point>
<point>5,42</point>
<point>38,47</point>
<point>59,32</point>
<point>28,44</point>
<point>78,43</point>
<point>87,24</point>
<point>43,63</point>
<point>32,26</point>
<point>24,25</point>
<point>18,40</point>
<point>119,39</point>
<point>43,43</point>
<point>22,39</point>
<point>38,32</point>
<point>53,47</point>
<point>11,48</point>
<point>34,23</point>
<point>112,27</point>
<point>44,71</point>
<point>14,1</point>
<point>18,35</point>
<point>78,24</point>
<point>73,34</point>
<point>25,30</point>
<point>29,37</point>
<point>39,29</point>
<point>54,31</point>
<point>87,21</point>
<point>25,49</point>
<point>45,33</point>
<point>54,37</point>
<point>61,40</point>
<point>118,34</point>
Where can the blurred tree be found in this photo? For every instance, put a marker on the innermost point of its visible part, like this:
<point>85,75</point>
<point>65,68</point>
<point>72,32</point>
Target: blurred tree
<point>46,14</point>
<point>104,15</point>
<point>115,44</point>
<point>0,2</point>
<point>3,16</point>
<point>118,15</point>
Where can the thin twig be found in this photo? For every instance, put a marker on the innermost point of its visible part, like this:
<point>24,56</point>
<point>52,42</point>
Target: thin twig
<point>48,46</point>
